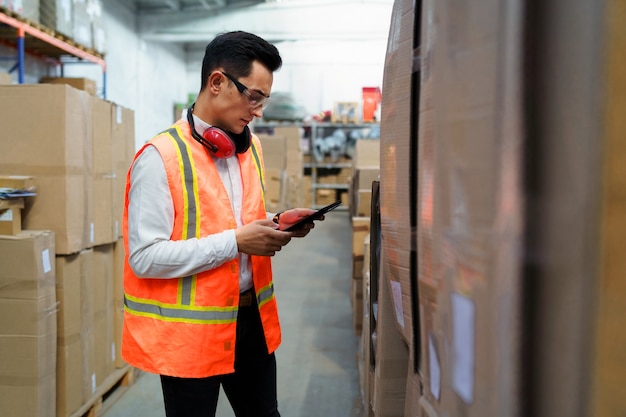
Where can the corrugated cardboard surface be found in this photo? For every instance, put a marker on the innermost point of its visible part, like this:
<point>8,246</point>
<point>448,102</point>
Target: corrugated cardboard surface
<point>103,286</point>
<point>118,301</point>
<point>103,177</point>
<point>391,358</point>
<point>413,390</point>
<point>87,333</point>
<point>366,153</point>
<point>52,143</point>
<point>470,226</point>
<point>11,216</point>
<point>123,145</point>
<point>84,84</point>
<point>28,340</point>
<point>69,348</point>
<point>274,151</point>
<point>293,143</point>
<point>18,182</point>
<point>5,78</point>
<point>610,350</point>
<point>395,163</point>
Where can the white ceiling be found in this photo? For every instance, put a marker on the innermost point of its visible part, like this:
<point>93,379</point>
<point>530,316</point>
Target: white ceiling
<point>167,7</point>
<point>192,22</point>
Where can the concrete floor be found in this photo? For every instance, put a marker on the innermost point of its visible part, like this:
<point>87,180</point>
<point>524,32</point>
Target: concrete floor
<point>317,363</point>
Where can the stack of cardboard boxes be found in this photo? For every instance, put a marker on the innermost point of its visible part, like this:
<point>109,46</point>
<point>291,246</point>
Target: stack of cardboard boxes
<point>365,170</point>
<point>28,324</point>
<point>284,167</point>
<point>76,148</point>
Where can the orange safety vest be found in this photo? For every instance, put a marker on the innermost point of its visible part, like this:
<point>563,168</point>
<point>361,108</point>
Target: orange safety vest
<point>186,327</point>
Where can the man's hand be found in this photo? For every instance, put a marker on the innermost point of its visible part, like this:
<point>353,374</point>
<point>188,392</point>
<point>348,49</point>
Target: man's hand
<point>290,217</point>
<point>261,238</point>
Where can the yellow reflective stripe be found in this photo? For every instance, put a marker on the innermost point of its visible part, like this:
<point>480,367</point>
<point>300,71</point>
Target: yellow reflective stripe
<point>265,294</point>
<point>259,169</point>
<point>191,210</point>
<point>180,314</point>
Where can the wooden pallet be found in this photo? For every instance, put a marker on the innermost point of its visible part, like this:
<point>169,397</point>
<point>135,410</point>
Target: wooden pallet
<point>108,392</point>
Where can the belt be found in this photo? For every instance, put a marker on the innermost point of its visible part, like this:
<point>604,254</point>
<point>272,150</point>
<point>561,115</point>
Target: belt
<point>247,298</point>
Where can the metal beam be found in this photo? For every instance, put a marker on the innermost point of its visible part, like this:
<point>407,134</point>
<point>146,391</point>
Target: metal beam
<point>174,5</point>
<point>312,21</point>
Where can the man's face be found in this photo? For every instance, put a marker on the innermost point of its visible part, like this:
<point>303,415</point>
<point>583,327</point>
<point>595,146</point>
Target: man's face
<point>235,109</point>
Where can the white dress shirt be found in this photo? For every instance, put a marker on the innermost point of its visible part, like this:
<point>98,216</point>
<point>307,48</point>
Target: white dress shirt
<point>151,219</point>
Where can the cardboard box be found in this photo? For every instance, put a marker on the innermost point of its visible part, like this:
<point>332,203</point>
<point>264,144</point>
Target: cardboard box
<point>5,78</point>
<point>398,152</point>
<point>293,143</point>
<point>275,190</point>
<point>297,193</point>
<point>360,230</point>
<point>324,197</point>
<point>361,190</point>
<point>56,152</point>
<point>84,84</point>
<point>102,282</point>
<point>69,395</point>
<point>27,296</point>
<point>609,358</point>
<point>367,153</point>
<point>69,347</point>
<point>118,301</point>
<point>391,359</point>
<point>11,216</point>
<point>469,228</point>
<point>87,325</point>
<point>366,343</point>
<point>28,266</point>
<point>18,182</point>
<point>123,144</point>
<point>364,176</point>
<point>103,176</point>
<point>274,150</point>
<point>363,204</point>
<point>356,300</point>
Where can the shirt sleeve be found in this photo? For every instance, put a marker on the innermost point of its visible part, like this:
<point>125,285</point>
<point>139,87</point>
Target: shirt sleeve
<point>152,254</point>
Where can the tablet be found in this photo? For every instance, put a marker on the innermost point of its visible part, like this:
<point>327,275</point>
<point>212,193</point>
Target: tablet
<point>314,216</point>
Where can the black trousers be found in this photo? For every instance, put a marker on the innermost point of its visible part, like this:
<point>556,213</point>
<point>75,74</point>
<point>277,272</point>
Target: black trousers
<point>251,389</point>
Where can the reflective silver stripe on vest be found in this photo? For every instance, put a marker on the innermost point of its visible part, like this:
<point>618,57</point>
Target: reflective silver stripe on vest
<point>213,315</point>
<point>192,205</point>
<point>265,295</point>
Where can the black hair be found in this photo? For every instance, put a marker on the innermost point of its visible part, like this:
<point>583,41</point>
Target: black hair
<point>235,52</point>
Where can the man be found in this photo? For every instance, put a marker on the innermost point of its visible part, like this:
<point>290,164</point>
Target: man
<point>199,301</point>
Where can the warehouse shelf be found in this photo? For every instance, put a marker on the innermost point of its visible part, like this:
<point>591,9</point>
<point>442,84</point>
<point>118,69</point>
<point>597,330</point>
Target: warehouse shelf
<point>25,35</point>
<point>318,129</point>
<point>315,130</point>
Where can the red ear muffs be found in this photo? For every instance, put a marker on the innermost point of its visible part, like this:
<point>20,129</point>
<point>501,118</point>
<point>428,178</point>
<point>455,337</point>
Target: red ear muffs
<point>219,141</point>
